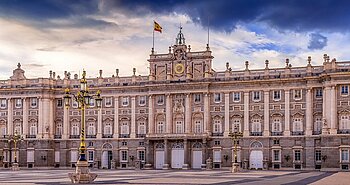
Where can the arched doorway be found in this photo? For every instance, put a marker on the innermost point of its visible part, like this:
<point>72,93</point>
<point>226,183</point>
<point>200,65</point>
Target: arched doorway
<point>256,155</point>
<point>159,158</point>
<point>197,156</point>
<point>107,156</point>
<point>177,156</point>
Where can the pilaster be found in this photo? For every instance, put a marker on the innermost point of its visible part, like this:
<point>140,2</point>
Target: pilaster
<point>246,114</point>
<point>99,124</point>
<point>25,117</point>
<point>309,115</point>
<point>65,123</point>
<point>333,101</point>
<point>188,113</point>
<point>206,113</point>
<point>116,117</point>
<point>287,112</point>
<point>168,114</point>
<point>133,117</point>
<point>150,115</point>
<point>266,113</point>
<point>9,116</point>
<point>227,115</point>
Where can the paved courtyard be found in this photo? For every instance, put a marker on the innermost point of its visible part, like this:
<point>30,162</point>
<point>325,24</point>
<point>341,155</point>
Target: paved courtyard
<point>175,177</point>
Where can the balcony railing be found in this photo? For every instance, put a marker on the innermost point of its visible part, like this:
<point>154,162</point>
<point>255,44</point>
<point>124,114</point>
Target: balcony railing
<point>124,135</point>
<point>218,134</point>
<point>90,136</point>
<point>297,133</point>
<point>58,136</point>
<point>107,136</point>
<point>255,133</point>
<point>140,135</point>
<point>74,136</point>
<point>31,136</point>
<point>280,133</point>
<point>316,132</point>
<point>344,131</point>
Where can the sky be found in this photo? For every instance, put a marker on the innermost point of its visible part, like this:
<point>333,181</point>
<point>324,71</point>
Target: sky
<point>72,35</point>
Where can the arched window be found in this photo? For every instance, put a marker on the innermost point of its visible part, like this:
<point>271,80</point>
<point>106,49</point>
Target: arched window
<point>179,127</point>
<point>318,124</point>
<point>75,129</point>
<point>344,123</point>
<point>141,128</point>
<point>18,127</point>
<point>217,126</point>
<point>2,128</point>
<point>160,127</point>
<point>276,124</point>
<point>125,128</point>
<point>59,128</point>
<point>236,125</point>
<point>33,129</point>
<point>91,129</point>
<point>107,130</point>
<point>256,124</point>
<point>198,127</point>
<point>297,124</point>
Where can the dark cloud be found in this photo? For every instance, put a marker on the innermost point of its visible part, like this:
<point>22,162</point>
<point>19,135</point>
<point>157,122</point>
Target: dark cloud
<point>223,15</point>
<point>317,41</point>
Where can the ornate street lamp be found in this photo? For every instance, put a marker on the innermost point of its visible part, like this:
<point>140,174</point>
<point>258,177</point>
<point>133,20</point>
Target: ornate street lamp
<point>235,136</point>
<point>15,139</point>
<point>82,174</point>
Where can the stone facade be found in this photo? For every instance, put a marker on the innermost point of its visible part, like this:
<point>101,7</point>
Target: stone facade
<point>181,114</point>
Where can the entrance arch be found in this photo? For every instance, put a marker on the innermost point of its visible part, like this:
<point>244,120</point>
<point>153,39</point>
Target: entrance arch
<point>159,157</point>
<point>256,155</point>
<point>107,156</point>
<point>197,156</point>
<point>177,155</point>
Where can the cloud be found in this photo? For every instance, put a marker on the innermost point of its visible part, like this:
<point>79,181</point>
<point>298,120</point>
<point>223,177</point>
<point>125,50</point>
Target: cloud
<point>317,41</point>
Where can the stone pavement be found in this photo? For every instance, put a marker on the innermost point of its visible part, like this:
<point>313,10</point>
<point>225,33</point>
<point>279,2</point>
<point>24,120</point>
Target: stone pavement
<point>177,177</point>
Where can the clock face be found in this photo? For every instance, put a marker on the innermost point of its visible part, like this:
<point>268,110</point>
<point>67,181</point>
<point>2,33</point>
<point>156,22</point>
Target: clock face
<point>179,68</point>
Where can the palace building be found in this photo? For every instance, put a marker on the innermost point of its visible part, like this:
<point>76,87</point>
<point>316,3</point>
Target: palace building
<point>181,114</point>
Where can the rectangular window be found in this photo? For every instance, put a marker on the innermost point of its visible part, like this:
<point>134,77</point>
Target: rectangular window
<point>297,94</point>
<point>319,93</point>
<point>91,156</point>
<point>217,156</point>
<point>141,155</point>
<point>142,100</point>
<point>33,102</point>
<point>74,104</point>
<point>197,98</point>
<point>217,97</point>
<point>276,155</point>
<point>256,95</point>
<point>124,156</point>
<point>125,101</point>
<point>276,141</point>
<point>217,143</point>
<point>276,95</point>
<point>297,155</point>
<point>160,99</point>
<point>108,101</point>
<point>18,103</point>
<point>59,103</point>
<point>344,90</point>
<point>124,143</point>
<point>3,103</point>
<point>236,96</point>
<point>318,155</point>
<point>345,155</point>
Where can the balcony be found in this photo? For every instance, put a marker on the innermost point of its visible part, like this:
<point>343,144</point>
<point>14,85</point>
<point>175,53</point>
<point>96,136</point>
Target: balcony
<point>297,133</point>
<point>31,136</point>
<point>107,136</point>
<point>124,135</point>
<point>217,134</point>
<point>4,136</point>
<point>140,135</point>
<point>90,136</point>
<point>316,132</point>
<point>57,136</point>
<point>344,131</point>
<point>74,136</point>
<point>255,133</point>
<point>280,133</point>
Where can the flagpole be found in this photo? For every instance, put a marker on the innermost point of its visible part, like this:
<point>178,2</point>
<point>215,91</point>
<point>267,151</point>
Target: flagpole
<point>153,41</point>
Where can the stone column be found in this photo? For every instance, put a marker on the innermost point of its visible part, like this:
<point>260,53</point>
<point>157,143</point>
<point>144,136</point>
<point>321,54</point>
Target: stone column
<point>186,154</point>
<point>99,124</point>
<point>287,112</point>
<point>166,156</point>
<point>133,117</point>
<point>168,115</point>
<point>51,119</point>
<point>227,114</point>
<point>66,124</point>
<point>40,118</point>
<point>309,115</point>
<point>116,117</point>
<point>326,110</point>
<point>246,114</point>
<point>266,113</point>
<point>206,118</point>
<point>188,116</point>
<point>9,116</point>
<point>25,117</point>
<point>333,122</point>
<point>150,115</point>
<point>45,118</point>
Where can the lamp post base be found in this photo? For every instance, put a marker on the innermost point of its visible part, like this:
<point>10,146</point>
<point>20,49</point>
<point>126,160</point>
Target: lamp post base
<point>15,167</point>
<point>235,167</point>
<point>82,174</point>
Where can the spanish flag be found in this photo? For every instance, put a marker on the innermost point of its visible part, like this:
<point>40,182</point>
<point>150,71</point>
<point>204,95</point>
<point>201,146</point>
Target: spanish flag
<point>157,27</point>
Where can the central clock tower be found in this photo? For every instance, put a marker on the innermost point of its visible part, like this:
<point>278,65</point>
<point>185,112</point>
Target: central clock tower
<point>180,64</point>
